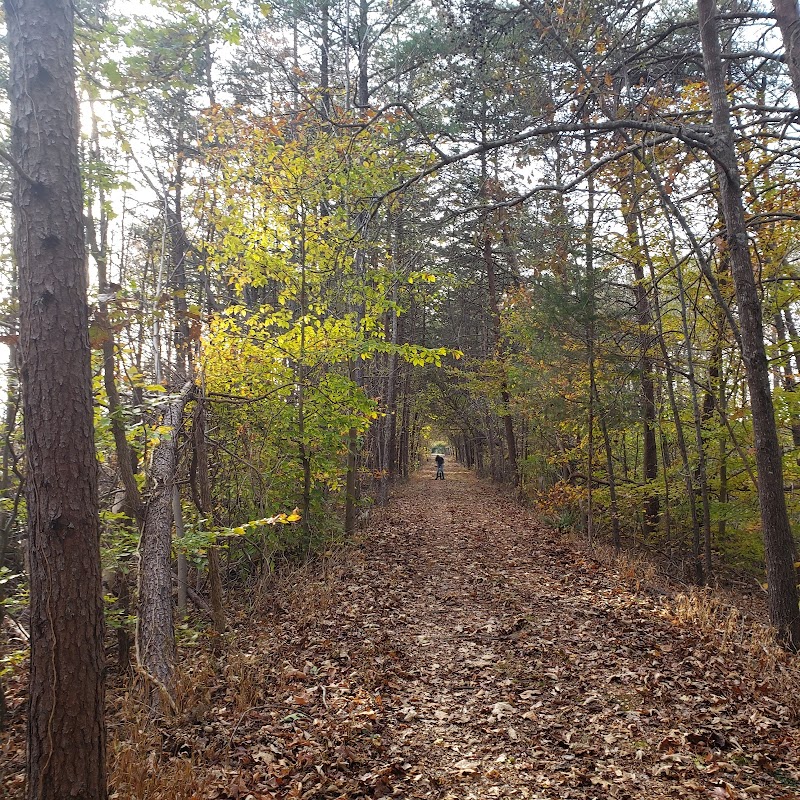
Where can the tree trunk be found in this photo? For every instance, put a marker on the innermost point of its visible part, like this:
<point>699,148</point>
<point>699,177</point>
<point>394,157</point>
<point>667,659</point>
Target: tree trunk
<point>616,538</point>
<point>787,15</point>
<point>362,98</point>
<point>131,501</point>
<point>588,245</point>
<point>405,425</point>
<point>777,534</point>
<point>182,561</point>
<point>701,471</point>
<point>644,318</point>
<point>324,59</point>
<point>7,476</point>
<point>714,396</point>
<point>699,576</point>
<point>389,429</point>
<point>66,730</point>
<point>787,378</point>
<point>155,631</point>
<point>494,308</point>
<point>388,432</point>
<point>351,486</point>
<point>204,504</point>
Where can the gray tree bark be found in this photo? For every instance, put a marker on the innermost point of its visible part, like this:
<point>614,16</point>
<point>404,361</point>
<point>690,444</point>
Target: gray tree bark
<point>155,629</point>
<point>787,15</point>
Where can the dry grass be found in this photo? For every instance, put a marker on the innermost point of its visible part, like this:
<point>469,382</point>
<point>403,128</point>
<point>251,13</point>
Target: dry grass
<point>139,770</point>
<point>728,623</point>
<point>308,589</point>
<point>635,570</point>
<point>141,763</point>
<point>244,680</point>
<point>753,645</point>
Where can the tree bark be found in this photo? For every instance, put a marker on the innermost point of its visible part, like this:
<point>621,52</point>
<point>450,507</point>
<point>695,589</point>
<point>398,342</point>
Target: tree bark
<point>155,630</point>
<point>776,532</point>
<point>66,730</point>
<point>182,562</point>
<point>362,97</point>
<point>8,465</point>
<point>787,15</point>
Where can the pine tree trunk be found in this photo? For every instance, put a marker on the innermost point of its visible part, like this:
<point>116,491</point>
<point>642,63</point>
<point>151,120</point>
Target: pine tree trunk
<point>182,561</point>
<point>778,543</point>
<point>66,731</point>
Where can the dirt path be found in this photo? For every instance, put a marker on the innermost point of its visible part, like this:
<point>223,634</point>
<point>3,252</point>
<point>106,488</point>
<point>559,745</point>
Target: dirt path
<point>531,671</point>
<point>461,651</point>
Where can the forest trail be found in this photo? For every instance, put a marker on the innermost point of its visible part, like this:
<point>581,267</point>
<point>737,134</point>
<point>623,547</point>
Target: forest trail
<point>460,651</point>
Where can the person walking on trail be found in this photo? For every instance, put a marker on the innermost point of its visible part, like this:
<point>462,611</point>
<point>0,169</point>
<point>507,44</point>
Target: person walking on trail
<point>439,466</point>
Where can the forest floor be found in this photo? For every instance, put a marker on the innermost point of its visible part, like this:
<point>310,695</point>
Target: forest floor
<point>461,650</point>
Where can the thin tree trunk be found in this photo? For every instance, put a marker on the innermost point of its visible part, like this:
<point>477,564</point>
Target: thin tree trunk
<point>362,100</point>
<point>183,564</point>
<point>350,482</point>
<point>779,546</point>
<point>131,505</point>
<point>155,631</point>
<point>405,433</point>
<point>667,486</point>
<point>325,46</point>
<point>787,378</point>
<point>616,538</point>
<point>682,449</point>
<point>302,379</point>
<point>494,307</point>
<point>388,429</point>
<point>66,729</point>
<point>787,16</point>
<point>8,464</point>
<point>590,335</point>
<point>644,318</point>
<point>701,471</point>
<point>205,506</point>
<point>715,393</point>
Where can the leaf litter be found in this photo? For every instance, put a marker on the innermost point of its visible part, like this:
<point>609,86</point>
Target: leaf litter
<point>460,650</point>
